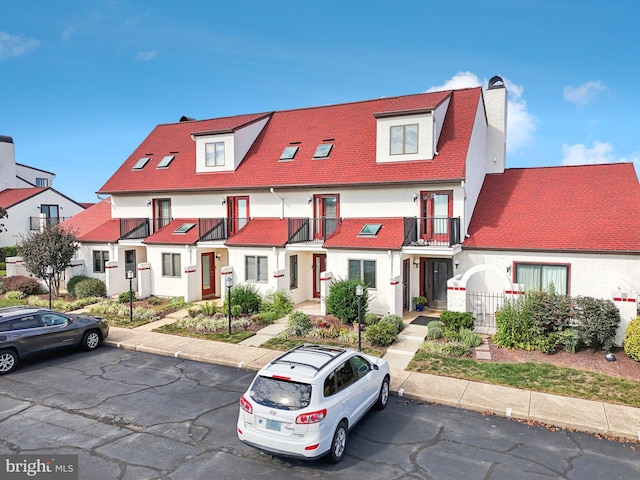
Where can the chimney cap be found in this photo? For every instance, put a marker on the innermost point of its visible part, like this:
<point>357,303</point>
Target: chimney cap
<point>496,82</point>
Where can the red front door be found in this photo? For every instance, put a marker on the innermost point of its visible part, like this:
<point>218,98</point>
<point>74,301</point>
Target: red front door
<point>319,266</point>
<point>435,209</point>
<point>237,213</point>
<point>208,274</point>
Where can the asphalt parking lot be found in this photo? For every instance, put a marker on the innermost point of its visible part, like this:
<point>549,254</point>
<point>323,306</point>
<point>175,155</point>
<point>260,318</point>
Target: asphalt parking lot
<point>132,415</point>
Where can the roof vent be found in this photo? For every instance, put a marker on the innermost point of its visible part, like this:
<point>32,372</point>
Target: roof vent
<point>496,82</point>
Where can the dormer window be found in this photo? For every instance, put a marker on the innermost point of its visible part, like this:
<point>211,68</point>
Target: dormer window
<point>404,139</point>
<point>214,154</point>
<point>288,153</point>
<point>141,163</point>
<point>323,150</point>
<point>164,163</point>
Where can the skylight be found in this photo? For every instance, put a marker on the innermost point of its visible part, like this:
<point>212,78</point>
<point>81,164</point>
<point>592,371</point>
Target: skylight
<point>164,163</point>
<point>323,150</point>
<point>370,229</point>
<point>141,163</point>
<point>184,228</point>
<point>288,153</point>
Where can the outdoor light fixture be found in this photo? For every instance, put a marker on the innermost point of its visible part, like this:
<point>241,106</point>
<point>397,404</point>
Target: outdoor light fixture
<point>309,199</point>
<point>414,196</point>
<point>359,293</point>
<point>130,277</point>
<point>229,284</point>
<point>222,201</point>
<point>416,263</point>
<point>456,264</point>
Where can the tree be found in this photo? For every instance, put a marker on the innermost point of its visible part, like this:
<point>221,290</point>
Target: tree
<point>54,246</point>
<point>3,214</point>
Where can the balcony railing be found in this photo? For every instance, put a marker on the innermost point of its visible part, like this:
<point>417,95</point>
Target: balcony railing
<point>34,222</point>
<point>303,230</point>
<point>210,229</point>
<point>134,228</point>
<point>432,231</point>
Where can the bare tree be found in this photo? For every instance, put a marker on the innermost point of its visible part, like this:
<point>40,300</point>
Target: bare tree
<point>53,247</point>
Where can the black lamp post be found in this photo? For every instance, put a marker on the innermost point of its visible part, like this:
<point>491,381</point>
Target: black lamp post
<point>229,284</point>
<point>359,293</point>
<point>130,277</point>
<point>50,275</point>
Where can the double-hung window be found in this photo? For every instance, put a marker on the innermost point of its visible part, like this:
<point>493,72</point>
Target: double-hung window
<point>214,154</point>
<point>404,139</point>
<point>364,270</point>
<point>170,264</point>
<point>543,277</point>
<point>255,269</point>
<point>100,258</point>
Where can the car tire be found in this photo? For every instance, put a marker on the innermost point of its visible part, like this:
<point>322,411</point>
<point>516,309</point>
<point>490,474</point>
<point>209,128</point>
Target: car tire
<point>383,396</point>
<point>8,361</point>
<point>91,340</point>
<point>339,442</point>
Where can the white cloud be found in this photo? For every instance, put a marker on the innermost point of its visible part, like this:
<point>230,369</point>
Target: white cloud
<point>521,124</point>
<point>584,93</point>
<point>16,45</point>
<point>146,56</point>
<point>67,32</point>
<point>579,154</point>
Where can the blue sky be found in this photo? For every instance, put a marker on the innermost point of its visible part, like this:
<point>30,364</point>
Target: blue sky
<point>84,82</point>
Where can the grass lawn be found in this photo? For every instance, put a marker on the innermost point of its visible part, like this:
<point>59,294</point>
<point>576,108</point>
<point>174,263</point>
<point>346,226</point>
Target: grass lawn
<point>540,377</point>
<point>236,336</point>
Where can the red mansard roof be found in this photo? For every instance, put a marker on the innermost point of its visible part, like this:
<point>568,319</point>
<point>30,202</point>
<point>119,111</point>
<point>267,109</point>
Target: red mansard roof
<point>351,128</point>
<point>389,237</point>
<point>261,232</point>
<point>95,224</point>
<point>168,235</point>
<point>588,207</point>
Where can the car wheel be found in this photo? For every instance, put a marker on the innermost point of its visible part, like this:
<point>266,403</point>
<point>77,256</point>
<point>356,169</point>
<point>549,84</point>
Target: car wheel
<point>383,396</point>
<point>90,340</point>
<point>8,361</point>
<point>339,443</point>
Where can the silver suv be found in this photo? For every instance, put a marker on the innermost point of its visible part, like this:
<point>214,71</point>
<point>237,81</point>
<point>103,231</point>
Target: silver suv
<point>28,330</point>
<point>304,403</point>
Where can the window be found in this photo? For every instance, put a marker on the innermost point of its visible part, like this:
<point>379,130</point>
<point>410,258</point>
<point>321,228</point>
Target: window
<point>364,270</point>
<point>360,366</point>
<point>323,150</point>
<point>42,182</point>
<point>293,271</point>
<point>404,139</point>
<point>170,264</point>
<point>141,163</point>
<point>214,154</point>
<point>100,258</point>
<point>184,228</point>
<point>543,277</point>
<point>255,269</point>
<point>51,319</point>
<point>164,163</point>
<point>370,229</point>
<point>288,153</point>
<point>161,213</point>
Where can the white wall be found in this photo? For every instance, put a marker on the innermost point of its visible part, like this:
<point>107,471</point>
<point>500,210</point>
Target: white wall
<point>475,164</point>
<point>426,135</point>
<point>31,174</point>
<point>7,165</point>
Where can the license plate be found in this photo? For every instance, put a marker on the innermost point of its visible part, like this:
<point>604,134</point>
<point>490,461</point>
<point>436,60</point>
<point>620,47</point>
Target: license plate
<point>273,425</point>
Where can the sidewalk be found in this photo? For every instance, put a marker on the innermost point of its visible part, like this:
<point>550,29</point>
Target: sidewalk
<point>583,415</point>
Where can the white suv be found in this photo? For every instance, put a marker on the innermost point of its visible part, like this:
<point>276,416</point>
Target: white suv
<point>303,403</point>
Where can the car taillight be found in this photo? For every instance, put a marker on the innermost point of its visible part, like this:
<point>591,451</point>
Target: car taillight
<point>245,405</point>
<point>311,417</point>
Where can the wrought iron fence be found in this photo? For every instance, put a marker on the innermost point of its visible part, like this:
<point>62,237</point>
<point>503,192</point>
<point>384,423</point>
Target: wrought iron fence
<point>483,306</point>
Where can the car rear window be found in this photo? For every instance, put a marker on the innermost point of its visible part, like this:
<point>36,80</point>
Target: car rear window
<point>281,393</point>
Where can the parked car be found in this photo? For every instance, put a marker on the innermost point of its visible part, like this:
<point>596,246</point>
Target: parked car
<point>303,403</point>
<point>28,330</point>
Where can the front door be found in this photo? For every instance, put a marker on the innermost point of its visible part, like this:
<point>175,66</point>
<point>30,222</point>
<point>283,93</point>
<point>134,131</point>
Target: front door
<point>435,210</point>
<point>326,213</point>
<point>208,274</point>
<point>437,273</point>
<point>319,266</point>
<point>130,262</point>
<point>406,285</point>
<point>237,213</point>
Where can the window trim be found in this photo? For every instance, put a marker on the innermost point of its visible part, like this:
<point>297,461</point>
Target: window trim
<point>100,257</point>
<point>172,273</point>
<point>215,158</point>
<point>260,276</point>
<point>362,276</point>
<point>567,267</point>
<point>404,139</point>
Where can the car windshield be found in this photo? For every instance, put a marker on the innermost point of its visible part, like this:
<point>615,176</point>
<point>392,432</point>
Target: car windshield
<point>281,393</point>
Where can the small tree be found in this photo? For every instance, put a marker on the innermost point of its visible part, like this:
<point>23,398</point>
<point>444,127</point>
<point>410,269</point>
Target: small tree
<point>342,301</point>
<point>54,247</point>
<point>3,214</point>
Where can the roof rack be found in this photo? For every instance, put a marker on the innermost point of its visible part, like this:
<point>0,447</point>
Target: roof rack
<point>331,352</point>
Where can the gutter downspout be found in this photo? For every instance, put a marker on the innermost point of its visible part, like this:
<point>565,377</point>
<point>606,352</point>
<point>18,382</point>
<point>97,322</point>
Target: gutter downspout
<point>273,192</point>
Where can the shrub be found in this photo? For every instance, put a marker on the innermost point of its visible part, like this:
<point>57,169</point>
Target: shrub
<point>550,311</point>
<point>513,326</point>
<point>371,319</point>
<point>469,338</point>
<point>73,281</point>
<point>632,339</point>
<point>265,318</point>
<point>236,311</point>
<point>276,304</point>
<point>15,295</point>
<point>394,320</point>
<point>456,320</point>
<point>434,329</point>
<point>381,334</point>
<point>20,283</point>
<point>569,339</point>
<point>343,302</point>
<point>453,349</point>
<point>208,308</point>
<point>598,321</point>
<point>90,287</point>
<point>124,297</point>
<point>451,335</point>
<point>246,296</point>
<point>154,300</point>
<point>547,343</point>
<point>298,325</point>
<point>9,251</point>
